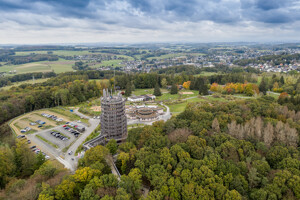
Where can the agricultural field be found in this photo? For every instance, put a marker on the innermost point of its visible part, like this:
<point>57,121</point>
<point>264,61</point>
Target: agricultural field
<point>166,56</point>
<point>57,52</point>
<point>43,66</point>
<point>16,84</point>
<point>113,63</point>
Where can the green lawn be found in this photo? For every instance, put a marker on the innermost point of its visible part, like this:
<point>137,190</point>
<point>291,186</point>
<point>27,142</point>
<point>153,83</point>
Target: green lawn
<point>275,95</point>
<point>178,108</point>
<point>166,94</point>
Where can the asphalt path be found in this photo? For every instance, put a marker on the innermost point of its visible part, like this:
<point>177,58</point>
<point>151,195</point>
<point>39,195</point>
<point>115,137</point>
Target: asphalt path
<point>88,130</point>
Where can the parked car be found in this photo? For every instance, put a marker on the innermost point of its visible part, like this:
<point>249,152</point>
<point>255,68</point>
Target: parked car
<point>32,147</point>
<point>28,141</point>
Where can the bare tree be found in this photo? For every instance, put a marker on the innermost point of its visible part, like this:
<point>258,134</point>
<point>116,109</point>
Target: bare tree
<point>259,124</point>
<point>291,136</point>
<point>179,135</point>
<point>268,134</point>
<point>215,125</point>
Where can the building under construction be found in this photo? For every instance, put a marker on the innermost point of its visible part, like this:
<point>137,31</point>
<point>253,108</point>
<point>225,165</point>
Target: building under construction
<point>113,118</point>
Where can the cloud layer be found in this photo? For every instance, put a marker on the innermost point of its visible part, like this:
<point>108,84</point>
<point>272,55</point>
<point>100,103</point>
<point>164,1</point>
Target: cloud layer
<point>79,21</point>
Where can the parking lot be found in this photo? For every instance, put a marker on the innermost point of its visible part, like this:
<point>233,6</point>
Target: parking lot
<point>59,136</point>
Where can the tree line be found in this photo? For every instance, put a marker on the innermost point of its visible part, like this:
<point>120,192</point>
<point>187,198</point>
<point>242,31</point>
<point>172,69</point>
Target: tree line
<point>7,80</point>
<point>16,60</point>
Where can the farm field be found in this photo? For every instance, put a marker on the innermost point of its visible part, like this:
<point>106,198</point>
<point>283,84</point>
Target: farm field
<point>57,52</point>
<point>113,63</point>
<point>43,66</point>
<point>24,82</point>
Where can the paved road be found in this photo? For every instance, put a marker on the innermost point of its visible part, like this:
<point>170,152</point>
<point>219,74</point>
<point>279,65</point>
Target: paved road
<point>167,115</point>
<point>48,149</point>
<point>93,125</point>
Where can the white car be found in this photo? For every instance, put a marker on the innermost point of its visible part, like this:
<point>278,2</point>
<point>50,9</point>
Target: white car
<point>70,152</point>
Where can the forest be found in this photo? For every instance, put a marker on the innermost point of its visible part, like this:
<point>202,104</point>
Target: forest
<point>210,151</point>
<point>239,149</point>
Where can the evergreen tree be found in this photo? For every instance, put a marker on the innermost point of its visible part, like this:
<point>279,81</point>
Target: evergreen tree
<point>174,89</point>
<point>157,91</point>
<point>203,90</point>
<point>282,80</point>
<point>263,86</point>
<point>128,90</point>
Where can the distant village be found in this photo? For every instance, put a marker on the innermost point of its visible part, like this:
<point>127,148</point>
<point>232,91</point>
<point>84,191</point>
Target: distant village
<point>210,60</point>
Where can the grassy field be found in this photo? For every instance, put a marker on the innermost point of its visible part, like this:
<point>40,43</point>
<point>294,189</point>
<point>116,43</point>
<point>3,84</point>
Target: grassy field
<point>207,74</point>
<point>178,108</point>
<point>58,52</point>
<point>166,56</point>
<point>24,82</point>
<point>105,81</point>
<point>113,63</point>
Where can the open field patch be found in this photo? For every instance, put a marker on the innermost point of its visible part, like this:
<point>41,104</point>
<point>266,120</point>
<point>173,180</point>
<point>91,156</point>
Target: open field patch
<point>186,92</point>
<point>96,108</point>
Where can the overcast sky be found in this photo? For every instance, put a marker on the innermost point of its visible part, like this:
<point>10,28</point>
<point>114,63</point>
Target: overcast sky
<point>140,21</point>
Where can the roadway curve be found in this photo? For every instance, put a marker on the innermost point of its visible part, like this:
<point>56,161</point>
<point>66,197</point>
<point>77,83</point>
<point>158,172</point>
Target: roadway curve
<point>89,129</point>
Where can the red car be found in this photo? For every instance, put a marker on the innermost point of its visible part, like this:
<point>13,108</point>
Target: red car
<point>64,125</point>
